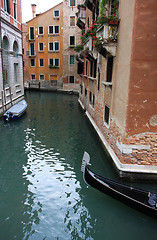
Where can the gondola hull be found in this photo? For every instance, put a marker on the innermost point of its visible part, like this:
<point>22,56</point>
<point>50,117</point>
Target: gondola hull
<point>138,199</point>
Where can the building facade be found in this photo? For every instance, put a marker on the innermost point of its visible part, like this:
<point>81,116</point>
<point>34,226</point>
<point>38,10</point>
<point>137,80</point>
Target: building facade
<point>118,80</point>
<point>49,48</point>
<point>71,38</point>
<point>11,63</point>
<point>44,47</point>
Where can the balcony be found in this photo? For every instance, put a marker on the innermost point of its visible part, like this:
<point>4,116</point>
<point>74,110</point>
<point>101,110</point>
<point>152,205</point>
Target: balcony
<point>81,17</point>
<point>91,53</point>
<point>106,41</point>
<point>89,4</point>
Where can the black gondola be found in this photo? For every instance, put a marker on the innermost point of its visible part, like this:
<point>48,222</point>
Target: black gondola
<point>141,200</point>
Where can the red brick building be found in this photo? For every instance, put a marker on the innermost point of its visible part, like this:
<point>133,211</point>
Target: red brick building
<point>118,81</point>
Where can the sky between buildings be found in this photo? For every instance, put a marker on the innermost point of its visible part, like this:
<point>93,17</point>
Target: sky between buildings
<point>42,6</point>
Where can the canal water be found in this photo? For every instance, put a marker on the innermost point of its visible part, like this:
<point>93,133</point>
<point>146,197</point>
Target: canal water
<point>42,192</point>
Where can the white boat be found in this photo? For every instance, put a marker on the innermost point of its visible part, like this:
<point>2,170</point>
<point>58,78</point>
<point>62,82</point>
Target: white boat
<point>15,111</point>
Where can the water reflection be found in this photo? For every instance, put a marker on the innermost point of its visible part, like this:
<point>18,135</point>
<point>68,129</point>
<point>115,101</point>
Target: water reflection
<point>56,203</point>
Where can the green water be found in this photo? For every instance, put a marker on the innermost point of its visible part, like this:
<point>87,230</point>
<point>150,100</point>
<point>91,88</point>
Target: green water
<point>42,192</point>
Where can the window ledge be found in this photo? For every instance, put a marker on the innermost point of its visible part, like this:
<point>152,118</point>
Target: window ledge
<point>107,84</point>
<point>91,78</point>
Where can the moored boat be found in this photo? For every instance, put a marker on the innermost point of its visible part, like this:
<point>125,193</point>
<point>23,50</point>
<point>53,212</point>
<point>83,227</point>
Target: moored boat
<point>15,111</point>
<point>141,200</point>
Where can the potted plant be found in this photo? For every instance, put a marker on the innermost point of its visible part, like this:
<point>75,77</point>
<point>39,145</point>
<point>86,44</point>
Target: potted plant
<point>78,48</point>
<point>53,66</point>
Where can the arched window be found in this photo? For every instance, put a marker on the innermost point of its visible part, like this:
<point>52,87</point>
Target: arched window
<point>5,46</point>
<point>15,49</point>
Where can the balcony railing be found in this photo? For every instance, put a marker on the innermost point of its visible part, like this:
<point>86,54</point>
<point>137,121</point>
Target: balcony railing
<point>106,41</point>
<point>89,44</point>
<point>81,17</point>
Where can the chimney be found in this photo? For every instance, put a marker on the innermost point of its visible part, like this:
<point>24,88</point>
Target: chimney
<point>33,10</point>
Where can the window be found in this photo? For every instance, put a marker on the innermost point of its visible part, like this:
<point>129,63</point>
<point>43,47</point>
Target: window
<point>41,46</point>
<point>90,97</point>
<point>50,29</point>
<point>51,46</point>
<point>71,79</point>
<point>41,76</point>
<point>53,29</point>
<point>51,61</point>
<point>86,68</point>
<point>106,114</point>
<point>56,30</point>
<point>56,47</point>
<point>15,8</point>
<point>56,62</point>
<point>93,102</point>
<point>56,13</point>
<point>31,33</point>
<point>41,62</point>
<point>7,6</point>
<point>32,52</point>
<point>81,89</point>
<point>5,46</point>
<point>80,67</point>
<point>98,79</point>
<point>16,72</point>
<point>91,68</point>
<point>72,40</point>
<point>41,30</point>
<point>32,62</point>
<point>72,3</point>
<point>109,69</point>
<point>72,60</point>
<point>15,49</point>
<point>33,76</point>
<point>72,21</point>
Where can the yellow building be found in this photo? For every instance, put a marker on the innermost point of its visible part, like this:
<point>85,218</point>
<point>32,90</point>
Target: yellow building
<point>45,47</point>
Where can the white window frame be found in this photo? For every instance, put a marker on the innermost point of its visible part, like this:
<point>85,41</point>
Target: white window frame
<point>30,62</point>
<point>30,33</point>
<point>58,45</point>
<point>38,30</point>
<point>73,5</point>
<point>53,59</point>
<point>54,29</point>
<point>49,29</point>
<point>54,13</point>
<point>32,74</point>
<point>74,40</point>
<point>49,46</point>
<point>39,62</point>
<point>40,77</point>
<point>15,8</point>
<point>69,60</point>
<point>39,47</point>
<point>75,21</point>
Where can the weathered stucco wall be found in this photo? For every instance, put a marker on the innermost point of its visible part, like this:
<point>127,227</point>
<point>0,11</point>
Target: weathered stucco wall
<point>123,58</point>
<point>142,105</point>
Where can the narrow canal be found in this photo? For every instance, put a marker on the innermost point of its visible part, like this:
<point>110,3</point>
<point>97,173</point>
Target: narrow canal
<point>42,192</point>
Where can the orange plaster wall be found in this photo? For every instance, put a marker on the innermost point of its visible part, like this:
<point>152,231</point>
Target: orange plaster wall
<point>46,19</point>
<point>142,104</point>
